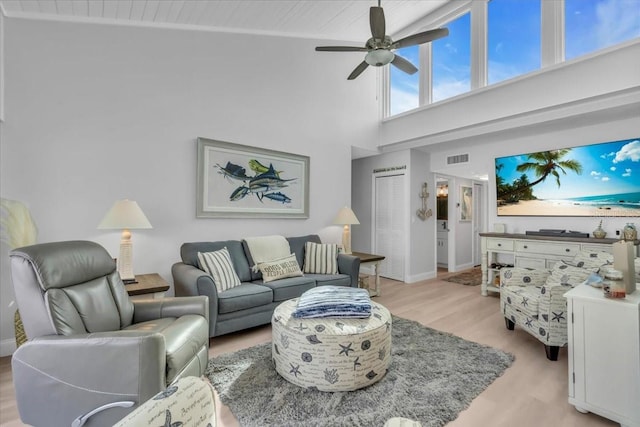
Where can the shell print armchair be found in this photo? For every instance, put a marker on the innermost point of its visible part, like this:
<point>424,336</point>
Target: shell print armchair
<point>92,354</point>
<point>534,299</point>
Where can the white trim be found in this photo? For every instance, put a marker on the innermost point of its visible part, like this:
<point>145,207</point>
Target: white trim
<point>552,33</point>
<point>420,277</point>
<point>479,60</point>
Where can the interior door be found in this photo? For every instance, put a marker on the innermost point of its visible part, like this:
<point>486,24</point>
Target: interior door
<point>389,227</point>
<point>478,219</point>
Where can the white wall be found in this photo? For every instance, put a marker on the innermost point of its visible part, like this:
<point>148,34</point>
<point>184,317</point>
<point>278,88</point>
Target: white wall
<point>420,246</point>
<point>97,113</point>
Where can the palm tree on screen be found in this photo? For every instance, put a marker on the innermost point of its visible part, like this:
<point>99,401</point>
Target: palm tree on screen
<point>543,165</point>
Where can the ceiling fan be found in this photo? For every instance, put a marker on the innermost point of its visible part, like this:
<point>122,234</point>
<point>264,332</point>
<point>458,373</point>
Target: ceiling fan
<point>379,47</point>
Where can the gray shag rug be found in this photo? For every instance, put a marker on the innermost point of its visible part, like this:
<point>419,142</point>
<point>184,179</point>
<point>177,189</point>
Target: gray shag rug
<point>433,376</point>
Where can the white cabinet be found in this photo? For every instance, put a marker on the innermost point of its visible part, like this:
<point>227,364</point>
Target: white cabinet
<point>604,354</point>
<point>527,251</point>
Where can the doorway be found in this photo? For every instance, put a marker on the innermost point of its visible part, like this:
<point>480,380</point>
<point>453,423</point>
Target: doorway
<point>389,227</point>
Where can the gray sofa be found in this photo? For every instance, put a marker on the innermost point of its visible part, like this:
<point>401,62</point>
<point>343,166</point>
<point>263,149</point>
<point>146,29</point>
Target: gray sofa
<point>252,303</point>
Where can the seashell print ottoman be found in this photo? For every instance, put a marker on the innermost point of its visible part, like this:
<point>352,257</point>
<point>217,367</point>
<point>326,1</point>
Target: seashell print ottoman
<point>331,353</point>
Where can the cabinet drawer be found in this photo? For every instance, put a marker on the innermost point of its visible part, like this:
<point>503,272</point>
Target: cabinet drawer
<point>537,263</point>
<point>500,244</point>
<point>597,248</point>
<point>563,249</point>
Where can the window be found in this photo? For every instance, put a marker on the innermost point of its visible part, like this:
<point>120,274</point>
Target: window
<point>593,25</point>
<point>513,41</point>
<point>404,89</point>
<point>451,60</point>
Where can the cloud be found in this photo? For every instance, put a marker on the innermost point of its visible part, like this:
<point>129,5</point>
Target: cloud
<point>402,100</point>
<point>449,88</point>
<point>630,151</point>
<point>627,172</point>
<point>605,178</point>
<point>594,173</point>
<point>612,168</point>
<point>616,21</point>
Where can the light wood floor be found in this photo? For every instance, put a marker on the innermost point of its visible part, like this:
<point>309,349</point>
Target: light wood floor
<point>532,392</point>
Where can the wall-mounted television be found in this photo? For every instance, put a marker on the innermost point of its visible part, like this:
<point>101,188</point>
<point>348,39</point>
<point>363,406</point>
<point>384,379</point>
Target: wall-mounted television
<point>590,180</point>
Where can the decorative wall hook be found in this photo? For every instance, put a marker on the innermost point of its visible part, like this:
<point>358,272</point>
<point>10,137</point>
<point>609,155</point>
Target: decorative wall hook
<point>424,213</point>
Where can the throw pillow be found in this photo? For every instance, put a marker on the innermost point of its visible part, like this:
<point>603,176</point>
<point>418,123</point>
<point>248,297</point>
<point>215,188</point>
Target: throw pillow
<point>279,268</point>
<point>218,265</point>
<point>320,258</point>
<point>592,259</point>
<point>568,274</point>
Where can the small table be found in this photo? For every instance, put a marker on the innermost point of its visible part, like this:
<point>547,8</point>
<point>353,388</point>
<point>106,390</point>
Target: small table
<point>147,284</point>
<point>375,260</point>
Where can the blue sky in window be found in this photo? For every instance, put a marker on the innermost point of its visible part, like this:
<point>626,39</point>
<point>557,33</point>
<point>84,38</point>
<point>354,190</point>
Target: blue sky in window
<point>451,60</point>
<point>593,25</point>
<point>513,44</point>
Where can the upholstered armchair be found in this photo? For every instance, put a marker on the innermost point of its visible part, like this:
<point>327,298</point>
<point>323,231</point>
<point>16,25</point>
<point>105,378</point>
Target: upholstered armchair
<point>534,299</point>
<point>92,354</point>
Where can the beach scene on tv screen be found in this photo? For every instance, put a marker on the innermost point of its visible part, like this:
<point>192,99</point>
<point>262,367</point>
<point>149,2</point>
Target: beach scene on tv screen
<point>590,180</point>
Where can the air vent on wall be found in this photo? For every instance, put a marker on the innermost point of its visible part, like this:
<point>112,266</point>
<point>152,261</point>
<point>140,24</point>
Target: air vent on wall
<point>458,158</point>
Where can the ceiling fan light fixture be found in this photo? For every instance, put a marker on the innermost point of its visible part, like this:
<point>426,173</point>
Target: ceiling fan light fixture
<point>379,57</point>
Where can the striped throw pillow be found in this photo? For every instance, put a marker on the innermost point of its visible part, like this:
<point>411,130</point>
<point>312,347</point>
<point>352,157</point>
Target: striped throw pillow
<point>320,258</point>
<point>218,265</point>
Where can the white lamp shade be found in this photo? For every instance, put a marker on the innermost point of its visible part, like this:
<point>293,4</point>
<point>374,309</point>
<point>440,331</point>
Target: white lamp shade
<point>379,57</point>
<point>346,217</point>
<point>125,214</point>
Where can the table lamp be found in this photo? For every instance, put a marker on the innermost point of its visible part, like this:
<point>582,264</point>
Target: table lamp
<point>346,217</point>
<point>125,215</point>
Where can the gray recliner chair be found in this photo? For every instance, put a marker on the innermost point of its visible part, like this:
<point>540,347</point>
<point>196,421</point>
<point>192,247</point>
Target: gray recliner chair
<point>92,354</point>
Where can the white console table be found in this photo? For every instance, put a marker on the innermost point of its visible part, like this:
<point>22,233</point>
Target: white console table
<point>523,250</point>
<point>604,354</point>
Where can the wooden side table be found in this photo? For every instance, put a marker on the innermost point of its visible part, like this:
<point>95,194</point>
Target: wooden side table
<point>148,286</point>
<point>375,260</point>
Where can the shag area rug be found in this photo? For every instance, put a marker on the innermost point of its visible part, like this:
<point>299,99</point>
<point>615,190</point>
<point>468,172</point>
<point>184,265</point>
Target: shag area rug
<point>472,277</point>
<point>433,376</point>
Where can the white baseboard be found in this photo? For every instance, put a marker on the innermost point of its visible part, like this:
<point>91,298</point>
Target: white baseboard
<point>464,266</point>
<point>419,277</point>
<point>7,347</point>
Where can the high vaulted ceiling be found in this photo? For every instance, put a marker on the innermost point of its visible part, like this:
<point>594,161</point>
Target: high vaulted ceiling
<point>323,19</point>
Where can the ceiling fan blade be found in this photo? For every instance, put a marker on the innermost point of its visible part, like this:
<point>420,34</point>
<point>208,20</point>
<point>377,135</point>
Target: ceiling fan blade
<point>358,70</point>
<point>421,38</point>
<point>376,20</point>
<point>341,49</point>
<point>404,65</point>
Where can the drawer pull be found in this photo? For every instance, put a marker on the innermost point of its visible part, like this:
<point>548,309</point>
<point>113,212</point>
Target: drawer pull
<point>525,246</point>
<point>567,250</point>
<point>499,244</point>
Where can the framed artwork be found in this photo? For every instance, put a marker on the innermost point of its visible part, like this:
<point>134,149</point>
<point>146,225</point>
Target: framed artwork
<point>238,181</point>
<point>466,203</point>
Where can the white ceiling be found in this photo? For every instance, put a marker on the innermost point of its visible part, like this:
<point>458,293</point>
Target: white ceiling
<point>323,19</point>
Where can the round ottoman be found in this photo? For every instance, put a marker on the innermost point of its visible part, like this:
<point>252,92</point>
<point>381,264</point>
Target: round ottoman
<point>331,353</point>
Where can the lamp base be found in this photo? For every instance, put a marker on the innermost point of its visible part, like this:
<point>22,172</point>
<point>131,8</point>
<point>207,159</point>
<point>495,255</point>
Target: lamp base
<point>346,240</point>
<point>125,261</point>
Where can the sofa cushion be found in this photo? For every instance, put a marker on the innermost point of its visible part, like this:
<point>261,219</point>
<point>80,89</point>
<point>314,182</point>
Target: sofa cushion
<point>189,255</point>
<point>522,298</point>
<point>247,295</point>
<point>297,245</point>
<point>330,279</point>
<point>585,259</point>
<point>292,287</point>
<point>218,265</point>
<point>279,269</point>
<point>567,274</point>
<point>321,258</point>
